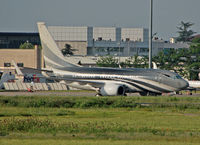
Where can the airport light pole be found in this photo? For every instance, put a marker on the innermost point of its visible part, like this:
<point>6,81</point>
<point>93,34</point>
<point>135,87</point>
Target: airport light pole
<point>119,53</point>
<point>129,48</point>
<point>150,33</point>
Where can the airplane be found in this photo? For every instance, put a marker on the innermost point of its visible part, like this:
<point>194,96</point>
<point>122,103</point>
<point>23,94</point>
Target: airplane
<point>106,81</point>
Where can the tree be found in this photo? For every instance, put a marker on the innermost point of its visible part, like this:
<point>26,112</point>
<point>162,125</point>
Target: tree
<point>167,59</point>
<point>191,68</point>
<point>108,61</point>
<point>194,59</point>
<point>182,61</point>
<point>26,45</point>
<point>136,62</point>
<point>196,40</point>
<point>184,32</point>
<point>67,50</point>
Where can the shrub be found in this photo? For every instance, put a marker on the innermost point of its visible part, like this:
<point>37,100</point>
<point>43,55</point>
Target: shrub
<point>28,124</point>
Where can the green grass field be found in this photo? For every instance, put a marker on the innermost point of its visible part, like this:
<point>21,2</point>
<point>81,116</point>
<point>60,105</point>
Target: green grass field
<point>104,120</point>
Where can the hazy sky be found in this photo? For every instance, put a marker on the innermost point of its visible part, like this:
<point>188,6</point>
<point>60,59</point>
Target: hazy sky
<point>22,15</point>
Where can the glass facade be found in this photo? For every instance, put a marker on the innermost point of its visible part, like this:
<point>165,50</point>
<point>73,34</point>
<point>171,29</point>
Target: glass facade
<point>14,40</point>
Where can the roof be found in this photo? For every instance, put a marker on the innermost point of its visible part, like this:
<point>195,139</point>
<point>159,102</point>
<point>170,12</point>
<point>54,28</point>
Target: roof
<point>197,36</point>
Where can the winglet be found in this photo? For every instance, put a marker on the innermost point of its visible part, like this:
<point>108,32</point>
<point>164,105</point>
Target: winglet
<point>154,65</point>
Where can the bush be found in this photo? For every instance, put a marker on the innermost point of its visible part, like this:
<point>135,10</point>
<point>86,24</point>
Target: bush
<point>3,133</point>
<point>26,45</point>
<point>100,102</point>
<point>28,124</point>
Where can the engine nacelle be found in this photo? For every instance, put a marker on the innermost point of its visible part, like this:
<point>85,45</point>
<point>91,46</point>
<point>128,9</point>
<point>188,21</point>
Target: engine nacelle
<point>112,90</point>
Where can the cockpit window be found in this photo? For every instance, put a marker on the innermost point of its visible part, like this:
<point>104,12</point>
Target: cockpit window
<point>178,77</point>
<point>172,76</point>
<point>166,75</point>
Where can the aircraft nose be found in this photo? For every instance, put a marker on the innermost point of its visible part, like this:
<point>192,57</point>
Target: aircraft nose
<point>184,84</point>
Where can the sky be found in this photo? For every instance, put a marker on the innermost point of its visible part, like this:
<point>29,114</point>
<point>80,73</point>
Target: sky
<point>22,15</point>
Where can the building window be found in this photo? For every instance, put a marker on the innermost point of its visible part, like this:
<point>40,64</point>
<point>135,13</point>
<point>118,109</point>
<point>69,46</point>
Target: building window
<point>20,64</point>
<point>144,50</point>
<point>6,64</point>
<point>133,49</point>
<point>100,39</point>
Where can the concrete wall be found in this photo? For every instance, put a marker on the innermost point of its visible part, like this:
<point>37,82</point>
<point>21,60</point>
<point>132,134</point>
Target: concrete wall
<point>133,34</point>
<point>29,57</point>
<point>79,46</point>
<point>106,33</point>
<point>63,33</point>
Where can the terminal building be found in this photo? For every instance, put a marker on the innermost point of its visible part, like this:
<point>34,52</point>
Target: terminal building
<point>100,41</point>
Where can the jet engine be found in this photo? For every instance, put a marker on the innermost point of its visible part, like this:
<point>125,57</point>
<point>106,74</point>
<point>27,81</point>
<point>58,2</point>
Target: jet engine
<point>112,90</point>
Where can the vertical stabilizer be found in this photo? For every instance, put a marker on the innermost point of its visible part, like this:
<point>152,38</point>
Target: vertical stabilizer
<point>52,55</point>
<point>154,65</point>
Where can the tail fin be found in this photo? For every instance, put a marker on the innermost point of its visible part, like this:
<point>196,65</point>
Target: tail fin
<point>52,55</point>
<point>154,65</point>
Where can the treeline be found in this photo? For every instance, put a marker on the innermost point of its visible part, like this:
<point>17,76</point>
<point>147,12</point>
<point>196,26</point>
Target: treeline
<point>183,61</point>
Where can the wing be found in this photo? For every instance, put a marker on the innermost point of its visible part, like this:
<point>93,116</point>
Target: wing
<point>91,84</point>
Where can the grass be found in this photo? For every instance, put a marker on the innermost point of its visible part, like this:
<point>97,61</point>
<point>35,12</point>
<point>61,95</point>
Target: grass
<point>42,111</point>
<point>100,102</point>
<point>176,123</point>
<point>91,142</point>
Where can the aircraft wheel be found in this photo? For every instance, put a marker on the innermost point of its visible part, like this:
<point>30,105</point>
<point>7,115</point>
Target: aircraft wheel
<point>98,95</point>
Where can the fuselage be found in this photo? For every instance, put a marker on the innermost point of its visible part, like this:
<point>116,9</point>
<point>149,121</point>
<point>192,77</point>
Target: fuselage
<point>137,80</point>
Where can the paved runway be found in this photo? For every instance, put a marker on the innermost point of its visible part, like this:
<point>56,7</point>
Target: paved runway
<point>49,93</point>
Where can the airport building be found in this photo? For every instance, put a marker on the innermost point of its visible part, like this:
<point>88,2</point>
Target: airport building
<point>100,41</point>
<point>30,58</point>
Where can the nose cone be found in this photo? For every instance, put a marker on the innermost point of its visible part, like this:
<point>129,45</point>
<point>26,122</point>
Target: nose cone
<point>183,84</point>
